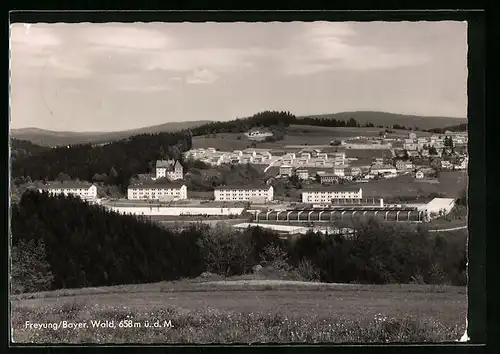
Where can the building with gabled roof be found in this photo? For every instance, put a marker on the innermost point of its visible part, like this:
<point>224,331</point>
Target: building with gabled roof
<point>84,190</point>
<point>325,194</point>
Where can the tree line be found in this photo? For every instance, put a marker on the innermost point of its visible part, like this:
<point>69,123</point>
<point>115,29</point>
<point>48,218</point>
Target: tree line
<point>62,242</point>
<point>113,164</point>
<point>119,161</point>
<point>22,148</point>
<point>280,119</point>
<point>453,128</point>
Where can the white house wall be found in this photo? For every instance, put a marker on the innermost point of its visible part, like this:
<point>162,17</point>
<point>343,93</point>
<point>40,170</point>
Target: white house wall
<point>175,211</point>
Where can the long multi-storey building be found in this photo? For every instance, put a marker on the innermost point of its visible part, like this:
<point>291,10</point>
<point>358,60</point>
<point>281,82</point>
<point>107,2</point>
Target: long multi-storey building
<point>157,191</point>
<point>244,193</point>
<point>327,194</point>
<point>84,190</point>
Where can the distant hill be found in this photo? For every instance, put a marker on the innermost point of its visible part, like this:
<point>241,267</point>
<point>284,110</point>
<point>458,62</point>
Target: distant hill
<point>388,119</point>
<point>55,138</point>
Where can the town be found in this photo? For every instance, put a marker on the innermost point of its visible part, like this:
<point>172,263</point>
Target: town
<point>332,178</point>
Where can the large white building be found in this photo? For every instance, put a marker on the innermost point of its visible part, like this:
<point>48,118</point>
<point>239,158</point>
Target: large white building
<point>157,191</point>
<point>286,170</point>
<point>244,193</point>
<point>327,194</point>
<point>383,169</point>
<point>170,169</point>
<point>84,190</point>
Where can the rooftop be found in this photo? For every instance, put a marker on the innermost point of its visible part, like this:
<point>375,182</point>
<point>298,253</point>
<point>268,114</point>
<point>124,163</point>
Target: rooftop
<point>159,185</point>
<point>164,163</point>
<point>243,187</point>
<point>67,185</point>
<point>333,188</point>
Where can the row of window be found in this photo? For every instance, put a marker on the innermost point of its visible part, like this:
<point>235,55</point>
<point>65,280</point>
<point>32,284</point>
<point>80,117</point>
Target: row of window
<point>237,198</point>
<point>242,191</point>
<point>68,190</point>
<point>155,190</point>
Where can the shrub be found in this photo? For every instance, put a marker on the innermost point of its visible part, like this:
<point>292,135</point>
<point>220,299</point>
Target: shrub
<point>307,271</point>
<point>30,270</point>
<point>275,257</point>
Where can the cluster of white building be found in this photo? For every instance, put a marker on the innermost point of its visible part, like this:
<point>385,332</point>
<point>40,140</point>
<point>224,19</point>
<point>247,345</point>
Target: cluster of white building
<point>370,145</point>
<point>323,195</point>
<point>305,158</point>
<point>414,143</point>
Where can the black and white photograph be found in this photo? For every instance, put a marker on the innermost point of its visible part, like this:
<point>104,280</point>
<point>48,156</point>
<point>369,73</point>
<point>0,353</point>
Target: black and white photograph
<point>238,182</point>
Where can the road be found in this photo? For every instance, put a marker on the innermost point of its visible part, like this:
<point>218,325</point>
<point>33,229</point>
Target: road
<point>281,158</point>
<point>451,229</point>
<point>271,164</point>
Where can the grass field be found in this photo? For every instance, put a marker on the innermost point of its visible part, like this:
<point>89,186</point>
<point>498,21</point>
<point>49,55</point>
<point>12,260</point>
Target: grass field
<point>388,119</point>
<point>450,184</point>
<point>245,311</point>
<point>295,135</point>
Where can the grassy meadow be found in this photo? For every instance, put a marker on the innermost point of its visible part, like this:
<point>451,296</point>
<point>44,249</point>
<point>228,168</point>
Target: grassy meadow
<point>245,310</point>
<point>295,135</point>
<point>450,184</point>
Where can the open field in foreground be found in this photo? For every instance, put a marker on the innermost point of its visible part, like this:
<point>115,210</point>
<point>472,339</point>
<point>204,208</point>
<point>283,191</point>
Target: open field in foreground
<point>245,311</point>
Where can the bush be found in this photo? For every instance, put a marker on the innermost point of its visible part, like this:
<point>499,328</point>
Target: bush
<point>275,257</point>
<point>30,270</point>
<point>307,271</point>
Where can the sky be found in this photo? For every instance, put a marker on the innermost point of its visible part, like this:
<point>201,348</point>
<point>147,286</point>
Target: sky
<point>119,76</point>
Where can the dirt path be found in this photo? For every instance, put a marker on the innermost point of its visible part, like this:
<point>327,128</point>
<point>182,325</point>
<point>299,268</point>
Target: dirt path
<point>450,229</point>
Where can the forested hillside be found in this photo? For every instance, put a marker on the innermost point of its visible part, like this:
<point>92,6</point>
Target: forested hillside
<point>63,242</point>
<point>114,163</point>
<point>238,125</point>
<point>78,245</point>
<point>56,138</point>
<point>24,148</point>
<point>241,125</point>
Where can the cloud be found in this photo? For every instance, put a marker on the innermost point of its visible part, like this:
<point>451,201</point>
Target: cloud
<point>112,37</point>
<point>225,59</point>
<point>201,76</point>
<point>331,46</point>
<point>131,82</point>
<point>38,48</point>
<point>32,35</point>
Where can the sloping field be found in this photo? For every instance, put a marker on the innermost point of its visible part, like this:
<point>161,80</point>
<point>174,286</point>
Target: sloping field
<point>295,135</point>
<point>233,306</point>
<point>388,119</point>
<point>450,184</point>
<point>224,142</point>
<point>51,138</point>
